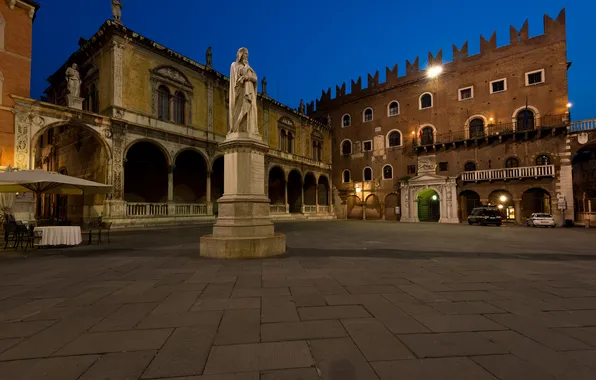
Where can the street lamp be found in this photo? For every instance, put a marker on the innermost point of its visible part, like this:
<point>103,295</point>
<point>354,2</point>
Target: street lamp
<point>503,198</point>
<point>434,197</point>
<point>569,105</point>
<point>434,71</point>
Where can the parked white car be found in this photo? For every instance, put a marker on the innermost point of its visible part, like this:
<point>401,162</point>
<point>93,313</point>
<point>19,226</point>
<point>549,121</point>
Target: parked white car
<point>540,219</point>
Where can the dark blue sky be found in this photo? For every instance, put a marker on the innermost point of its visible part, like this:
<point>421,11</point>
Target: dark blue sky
<point>305,46</point>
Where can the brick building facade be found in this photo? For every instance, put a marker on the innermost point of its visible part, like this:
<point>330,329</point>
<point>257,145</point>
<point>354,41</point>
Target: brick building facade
<point>483,129</point>
<point>16,22</point>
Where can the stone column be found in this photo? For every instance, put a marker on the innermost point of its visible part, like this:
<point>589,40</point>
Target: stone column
<point>517,207</point>
<point>208,194</point>
<point>302,208</point>
<point>171,204</point>
<point>317,196</point>
<point>286,195</point>
<point>115,206</point>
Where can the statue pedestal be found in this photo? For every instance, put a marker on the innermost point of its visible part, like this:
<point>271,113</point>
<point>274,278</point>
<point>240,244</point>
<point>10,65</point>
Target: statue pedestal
<point>74,102</point>
<point>243,228</point>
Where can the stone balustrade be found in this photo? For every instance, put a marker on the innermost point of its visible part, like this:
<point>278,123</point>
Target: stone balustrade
<point>509,173</point>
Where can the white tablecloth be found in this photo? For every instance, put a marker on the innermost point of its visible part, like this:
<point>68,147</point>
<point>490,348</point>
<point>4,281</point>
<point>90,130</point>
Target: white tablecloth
<point>61,235</point>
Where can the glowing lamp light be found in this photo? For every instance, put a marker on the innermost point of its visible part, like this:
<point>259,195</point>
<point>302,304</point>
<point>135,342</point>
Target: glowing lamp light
<point>503,198</point>
<point>491,119</point>
<point>413,132</point>
<point>358,189</point>
<point>500,207</point>
<point>569,105</point>
<point>434,71</point>
<point>434,197</point>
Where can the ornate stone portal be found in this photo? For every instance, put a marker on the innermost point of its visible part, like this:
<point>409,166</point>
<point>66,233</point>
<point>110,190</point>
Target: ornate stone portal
<point>445,187</point>
<point>243,228</point>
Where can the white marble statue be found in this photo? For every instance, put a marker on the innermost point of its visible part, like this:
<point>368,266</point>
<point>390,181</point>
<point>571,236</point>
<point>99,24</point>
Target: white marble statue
<point>243,95</point>
<point>73,80</point>
<point>117,10</point>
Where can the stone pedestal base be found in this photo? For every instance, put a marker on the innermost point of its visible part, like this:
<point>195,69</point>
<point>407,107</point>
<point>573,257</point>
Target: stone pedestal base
<point>242,247</point>
<point>243,228</point>
<point>74,102</point>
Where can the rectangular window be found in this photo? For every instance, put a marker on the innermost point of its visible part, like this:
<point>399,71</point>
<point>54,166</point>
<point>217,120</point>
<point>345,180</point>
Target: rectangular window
<point>411,169</point>
<point>367,145</point>
<point>535,77</point>
<point>466,93</point>
<point>498,85</point>
<point>443,166</point>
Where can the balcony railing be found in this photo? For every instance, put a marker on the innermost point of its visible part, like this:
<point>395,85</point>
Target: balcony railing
<point>509,173</point>
<point>583,125</point>
<point>277,209</point>
<point>323,209</point>
<point>493,130</point>
<point>152,210</point>
<point>190,209</point>
<point>310,209</point>
<point>146,209</point>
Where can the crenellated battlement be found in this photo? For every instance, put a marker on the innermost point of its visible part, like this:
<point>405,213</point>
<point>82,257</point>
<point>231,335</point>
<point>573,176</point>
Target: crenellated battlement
<point>554,31</point>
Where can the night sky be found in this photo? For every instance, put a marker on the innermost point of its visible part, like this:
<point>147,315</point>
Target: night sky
<point>306,46</point>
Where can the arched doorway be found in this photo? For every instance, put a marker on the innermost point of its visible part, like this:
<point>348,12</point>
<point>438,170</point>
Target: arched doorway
<point>535,200</point>
<point>373,207</point>
<point>310,191</point>
<point>190,178</point>
<point>525,120</point>
<point>324,192</point>
<point>145,173</point>
<point>584,183</point>
<point>504,201</point>
<point>429,206</point>
<point>277,188</point>
<point>217,182</point>
<point>84,152</point>
<point>354,207</point>
<point>468,200</point>
<point>391,202</point>
<point>295,191</point>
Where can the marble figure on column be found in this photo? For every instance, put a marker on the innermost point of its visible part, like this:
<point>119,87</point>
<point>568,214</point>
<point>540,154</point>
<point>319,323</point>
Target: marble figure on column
<point>243,95</point>
<point>73,80</point>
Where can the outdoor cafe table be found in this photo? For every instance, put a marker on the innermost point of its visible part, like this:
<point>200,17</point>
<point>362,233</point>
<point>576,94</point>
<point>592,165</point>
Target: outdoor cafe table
<point>60,235</point>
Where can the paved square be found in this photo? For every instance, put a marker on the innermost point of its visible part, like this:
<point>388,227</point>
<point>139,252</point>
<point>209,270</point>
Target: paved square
<point>350,300</point>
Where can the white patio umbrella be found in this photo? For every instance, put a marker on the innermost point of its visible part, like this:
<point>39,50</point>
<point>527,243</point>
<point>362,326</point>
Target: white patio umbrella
<point>44,182</point>
<point>6,199</point>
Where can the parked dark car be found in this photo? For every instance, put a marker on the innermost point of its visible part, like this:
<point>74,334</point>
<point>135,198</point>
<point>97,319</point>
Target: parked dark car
<point>485,215</point>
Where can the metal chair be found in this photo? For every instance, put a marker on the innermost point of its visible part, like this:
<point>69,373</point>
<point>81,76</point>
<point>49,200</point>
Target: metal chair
<point>105,226</point>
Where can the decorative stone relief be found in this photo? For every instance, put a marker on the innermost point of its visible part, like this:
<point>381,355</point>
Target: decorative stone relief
<point>210,106</point>
<point>427,165</point>
<point>117,58</point>
<point>117,142</point>
<point>22,138</point>
<point>174,75</point>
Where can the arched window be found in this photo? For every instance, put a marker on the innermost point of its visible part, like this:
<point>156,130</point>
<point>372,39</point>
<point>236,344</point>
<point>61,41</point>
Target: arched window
<point>283,140</point>
<point>525,120</point>
<point>346,121</point>
<point>163,103</point>
<point>346,176</point>
<point>179,108</point>
<point>426,101</point>
<point>346,147</point>
<point>394,138</point>
<point>543,159</point>
<point>470,167</point>
<point>393,108</point>
<point>290,142</point>
<point>387,172</point>
<point>368,174</point>
<point>476,128</point>
<point>368,114</point>
<point>512,162</point>
<point>427,136</point>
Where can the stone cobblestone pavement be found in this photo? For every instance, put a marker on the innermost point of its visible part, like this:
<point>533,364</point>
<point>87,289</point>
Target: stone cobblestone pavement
<point>158,311</point>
